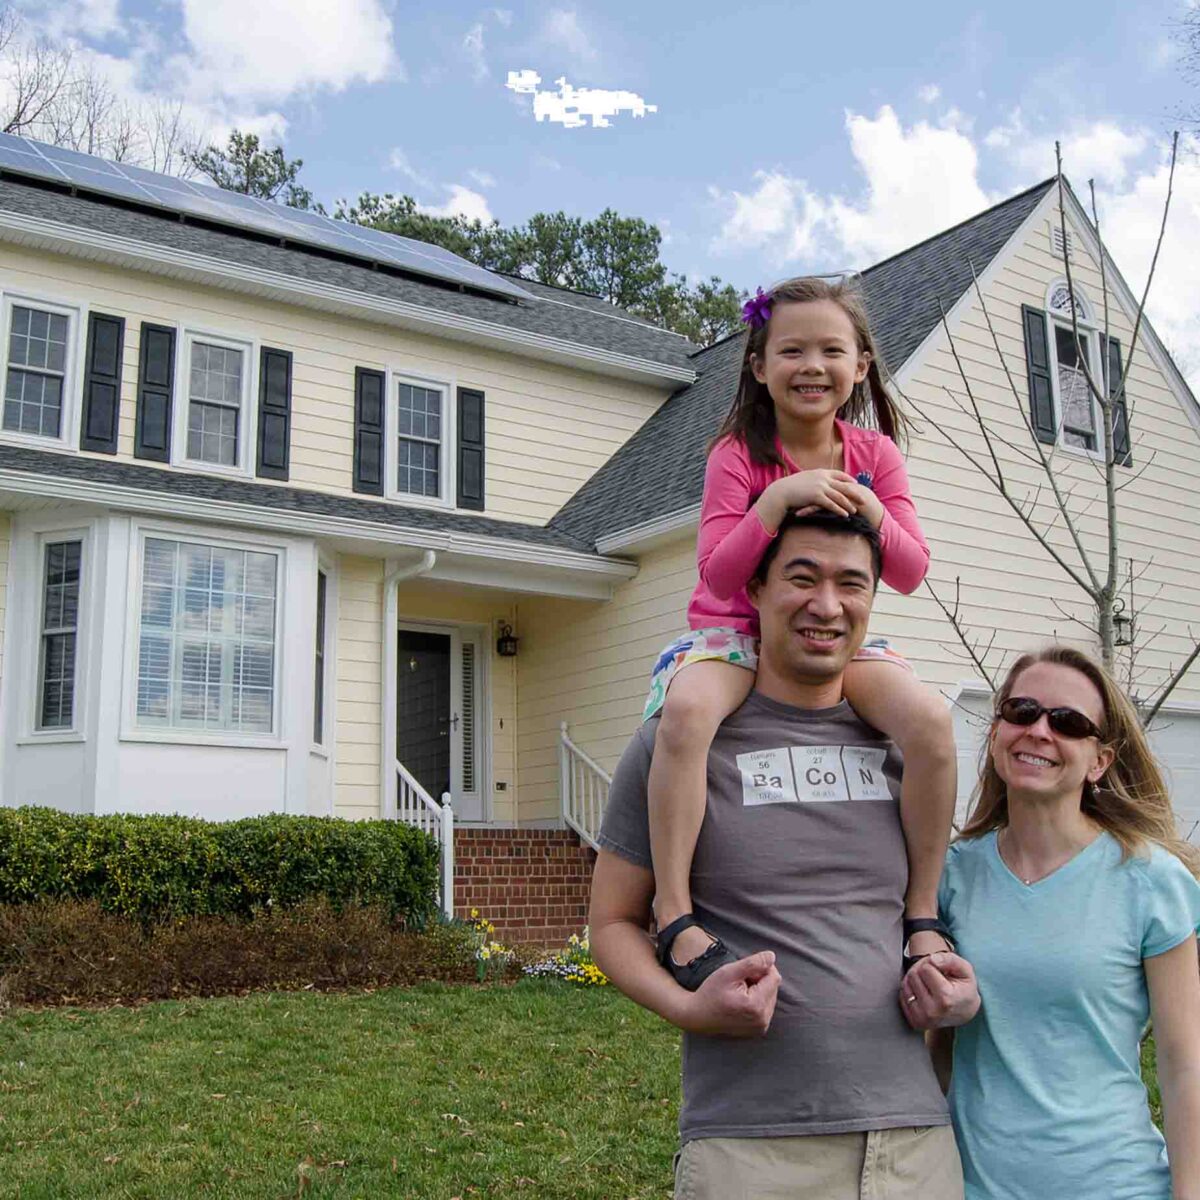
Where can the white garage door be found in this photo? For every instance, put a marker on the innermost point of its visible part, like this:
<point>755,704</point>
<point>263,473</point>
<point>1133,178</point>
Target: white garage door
<point>1174,736</point>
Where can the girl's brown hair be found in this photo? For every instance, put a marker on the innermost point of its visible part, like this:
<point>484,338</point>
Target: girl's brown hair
<point>752,417</point>
<point>1130,801</point>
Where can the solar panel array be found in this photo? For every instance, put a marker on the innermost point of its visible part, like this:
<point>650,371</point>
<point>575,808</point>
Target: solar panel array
<point>24,156</point>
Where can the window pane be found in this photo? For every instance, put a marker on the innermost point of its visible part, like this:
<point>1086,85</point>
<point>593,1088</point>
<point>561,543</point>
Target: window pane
<point>418,468</point>
<point>60,620</point>
<point>1074,397</point>
<point>207,641</point>
<point>215,397</point>
<point>38,339</point>
<point>33,403</point>
<point>212,433</point>
<point>319,663</point>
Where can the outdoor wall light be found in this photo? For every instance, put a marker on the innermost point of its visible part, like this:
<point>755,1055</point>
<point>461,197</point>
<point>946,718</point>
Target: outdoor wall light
<point>506,643</point>
<point>1122,625</point>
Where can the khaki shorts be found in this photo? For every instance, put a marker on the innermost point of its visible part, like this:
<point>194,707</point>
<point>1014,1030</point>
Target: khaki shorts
<point>885,1164</point>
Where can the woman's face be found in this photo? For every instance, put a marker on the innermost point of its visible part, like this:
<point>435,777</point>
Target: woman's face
<point>1033,759</point>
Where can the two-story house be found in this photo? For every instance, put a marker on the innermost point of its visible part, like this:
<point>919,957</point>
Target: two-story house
<point>300,517</point>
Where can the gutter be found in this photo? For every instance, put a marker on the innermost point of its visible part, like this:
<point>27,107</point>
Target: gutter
<point>649,533</point>
<point>312,525</point>
<point>200,268</point>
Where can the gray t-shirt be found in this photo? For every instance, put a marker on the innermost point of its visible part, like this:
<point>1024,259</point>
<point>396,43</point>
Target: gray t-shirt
<point>801,852</point>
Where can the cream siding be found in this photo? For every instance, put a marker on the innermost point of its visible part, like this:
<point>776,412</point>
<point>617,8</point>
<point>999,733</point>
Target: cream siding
<point>359,710</point>
<point>547,428</point>
<point>589,665</point>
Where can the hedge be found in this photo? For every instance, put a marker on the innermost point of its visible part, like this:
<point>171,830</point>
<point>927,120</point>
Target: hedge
<point>156,868</point>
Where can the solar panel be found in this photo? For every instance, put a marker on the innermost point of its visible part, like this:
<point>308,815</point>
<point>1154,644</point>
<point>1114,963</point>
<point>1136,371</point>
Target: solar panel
<point>61,165</point>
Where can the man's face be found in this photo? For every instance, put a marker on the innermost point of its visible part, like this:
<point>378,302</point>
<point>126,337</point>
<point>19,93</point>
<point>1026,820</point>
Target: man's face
<point>815,603</point>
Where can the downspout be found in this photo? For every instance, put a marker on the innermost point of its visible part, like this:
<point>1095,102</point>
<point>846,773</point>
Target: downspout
<point>387,681</point>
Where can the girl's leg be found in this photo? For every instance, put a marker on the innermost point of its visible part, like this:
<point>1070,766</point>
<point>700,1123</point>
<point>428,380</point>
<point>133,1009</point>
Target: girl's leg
<point>699,698</point>
<point>895,702</point>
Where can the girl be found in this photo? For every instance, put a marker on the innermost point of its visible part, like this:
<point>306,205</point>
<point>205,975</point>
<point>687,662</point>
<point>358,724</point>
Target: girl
<point>795,438</point>
<point>1072,897</point>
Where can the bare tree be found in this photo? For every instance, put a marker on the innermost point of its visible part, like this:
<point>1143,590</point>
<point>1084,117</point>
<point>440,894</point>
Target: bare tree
<point>51,95</point>
<point>1050,510</point>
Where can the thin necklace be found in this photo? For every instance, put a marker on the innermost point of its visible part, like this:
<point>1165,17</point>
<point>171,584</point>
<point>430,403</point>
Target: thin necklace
<point>1012,865</point>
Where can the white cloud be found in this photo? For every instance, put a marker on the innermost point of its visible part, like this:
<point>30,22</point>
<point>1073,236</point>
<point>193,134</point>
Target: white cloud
<point>929,93</point>
<point>313,45</point>
<point>462,203</point>
<point>473,50</point>
<point>399,161</point>
<point>483,178</point>
<point>571,106</point>
<point>503,16</point>
<point>562,31</point>
<point>1102,151</point>
<point>781,214</point>
<point>63,20</point>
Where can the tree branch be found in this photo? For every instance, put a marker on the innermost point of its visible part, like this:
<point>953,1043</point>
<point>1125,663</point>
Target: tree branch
<point>956,625</point>
<point>1171,684</point>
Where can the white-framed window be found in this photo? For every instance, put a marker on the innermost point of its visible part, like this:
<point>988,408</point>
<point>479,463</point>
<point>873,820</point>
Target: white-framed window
<point>1079,417</point>
<point>58,633</point>
<point>207,637</point>
<point>420,466</point>
<point>39,369</point>
<point>213,416</point>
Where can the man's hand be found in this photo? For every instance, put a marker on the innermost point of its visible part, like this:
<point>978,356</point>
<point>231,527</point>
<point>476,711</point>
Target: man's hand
<point>939,992</point>
<point>737,1000</point>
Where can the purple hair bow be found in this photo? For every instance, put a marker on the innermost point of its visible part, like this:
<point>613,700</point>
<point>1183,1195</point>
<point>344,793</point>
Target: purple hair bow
<point>756,312</point>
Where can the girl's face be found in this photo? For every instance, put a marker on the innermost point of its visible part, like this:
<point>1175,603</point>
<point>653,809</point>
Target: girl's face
<point>811,360</point>
<point>1035,761</point>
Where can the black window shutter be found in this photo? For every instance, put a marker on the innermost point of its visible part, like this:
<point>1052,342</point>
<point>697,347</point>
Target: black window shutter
<point>1122,453</point>
<point>156,376</point>
<point>368,431</point>
<point>470,448</point>
<point>1037,360</point>
<point>274,412</point>
<point>102,383</point>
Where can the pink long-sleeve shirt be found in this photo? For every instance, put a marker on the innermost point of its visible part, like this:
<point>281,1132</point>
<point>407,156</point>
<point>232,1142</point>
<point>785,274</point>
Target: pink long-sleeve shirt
<point>732,539</point>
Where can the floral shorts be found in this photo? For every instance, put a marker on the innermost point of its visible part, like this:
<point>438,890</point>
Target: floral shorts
<point>721,644</point>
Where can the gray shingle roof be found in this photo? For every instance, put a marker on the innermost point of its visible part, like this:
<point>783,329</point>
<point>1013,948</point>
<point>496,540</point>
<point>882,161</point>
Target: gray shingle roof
<point>275,497</point>
<point>555,312</point>
<point>660,470</point>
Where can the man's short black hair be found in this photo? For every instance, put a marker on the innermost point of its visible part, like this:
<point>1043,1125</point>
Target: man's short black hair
<point>822,518</point>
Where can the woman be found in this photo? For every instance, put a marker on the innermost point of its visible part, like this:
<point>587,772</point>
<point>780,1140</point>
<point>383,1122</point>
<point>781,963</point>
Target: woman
<point>1077,905</point>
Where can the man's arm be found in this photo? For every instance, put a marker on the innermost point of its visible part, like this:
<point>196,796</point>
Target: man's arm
<point>737,1000</point>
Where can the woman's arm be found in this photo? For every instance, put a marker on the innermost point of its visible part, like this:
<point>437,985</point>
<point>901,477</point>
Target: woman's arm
<point>1174,982</point>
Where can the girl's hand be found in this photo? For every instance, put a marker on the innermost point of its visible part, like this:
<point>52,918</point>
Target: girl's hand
<point>806,490</point>
<point>865,502</point>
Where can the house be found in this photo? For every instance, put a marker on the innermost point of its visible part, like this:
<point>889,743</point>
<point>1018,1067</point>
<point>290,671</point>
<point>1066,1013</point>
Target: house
<point>299,517</point>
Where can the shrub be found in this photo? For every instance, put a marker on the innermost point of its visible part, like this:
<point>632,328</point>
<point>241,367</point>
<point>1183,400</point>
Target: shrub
<point>155,868</point>
<point>74,952</point>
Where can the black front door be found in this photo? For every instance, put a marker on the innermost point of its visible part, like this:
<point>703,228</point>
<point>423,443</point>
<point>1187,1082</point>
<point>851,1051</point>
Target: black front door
<point>423,708</point>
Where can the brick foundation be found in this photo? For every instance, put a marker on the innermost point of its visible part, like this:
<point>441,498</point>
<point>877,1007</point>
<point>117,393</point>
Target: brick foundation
<point>532,884</point>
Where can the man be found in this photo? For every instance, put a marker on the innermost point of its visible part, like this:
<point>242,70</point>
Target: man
<point>828,1094</point>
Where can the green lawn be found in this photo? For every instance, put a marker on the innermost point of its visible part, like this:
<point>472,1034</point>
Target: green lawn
<point>536,1090</point>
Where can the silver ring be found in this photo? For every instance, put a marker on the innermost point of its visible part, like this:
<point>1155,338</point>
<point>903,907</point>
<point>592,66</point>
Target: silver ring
<point>910,999</point>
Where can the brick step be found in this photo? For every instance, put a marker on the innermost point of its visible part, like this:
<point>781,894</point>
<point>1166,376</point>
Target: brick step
<point>532,884</point>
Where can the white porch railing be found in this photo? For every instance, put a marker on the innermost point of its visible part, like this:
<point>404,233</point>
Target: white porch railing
<point>415,806</point>
<point>583,785</point>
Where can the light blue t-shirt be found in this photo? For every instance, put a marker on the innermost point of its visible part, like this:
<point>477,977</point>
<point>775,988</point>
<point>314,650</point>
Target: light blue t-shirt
<point>1046,1094</point>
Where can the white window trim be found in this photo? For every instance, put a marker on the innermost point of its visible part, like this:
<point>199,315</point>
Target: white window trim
<point>325,567</point>
<point>130,730</point>
<point>1090,332</point>
<point>72,376</point>
<point>446,463</point>
<point>28,620</point>
<point>188,334</point>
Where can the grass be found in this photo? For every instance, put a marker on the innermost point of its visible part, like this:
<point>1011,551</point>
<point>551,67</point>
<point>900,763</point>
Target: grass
<point>535,1090</point>
<point>430,1093</point>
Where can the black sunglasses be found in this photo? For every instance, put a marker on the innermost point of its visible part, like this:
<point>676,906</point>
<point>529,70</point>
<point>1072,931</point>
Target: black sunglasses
<point>1069,722</point>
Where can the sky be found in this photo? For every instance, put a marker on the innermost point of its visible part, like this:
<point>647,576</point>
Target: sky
<point>763,140</point>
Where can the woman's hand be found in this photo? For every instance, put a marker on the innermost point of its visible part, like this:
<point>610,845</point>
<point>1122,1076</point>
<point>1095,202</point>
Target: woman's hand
<point>938,992</point>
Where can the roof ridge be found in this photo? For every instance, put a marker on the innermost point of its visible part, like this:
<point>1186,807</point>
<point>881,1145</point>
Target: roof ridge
<point>933,237</point>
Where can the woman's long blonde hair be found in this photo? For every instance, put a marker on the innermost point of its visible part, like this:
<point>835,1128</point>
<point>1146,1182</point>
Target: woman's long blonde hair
<point>1130,801</point>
